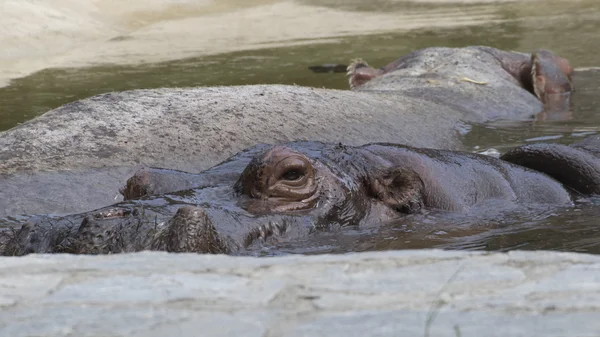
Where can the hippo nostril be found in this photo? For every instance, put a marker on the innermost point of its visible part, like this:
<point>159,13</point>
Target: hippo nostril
<point>138,185</point>
<point>191,230</point>
<point>411,207</point>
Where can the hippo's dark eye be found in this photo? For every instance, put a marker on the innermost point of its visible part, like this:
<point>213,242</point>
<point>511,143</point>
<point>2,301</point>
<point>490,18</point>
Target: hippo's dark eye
<point>292,175</point>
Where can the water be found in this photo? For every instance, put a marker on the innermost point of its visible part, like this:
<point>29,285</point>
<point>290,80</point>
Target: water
<point>585,121</point>
<point>575,229</point>
<point>568,28</point>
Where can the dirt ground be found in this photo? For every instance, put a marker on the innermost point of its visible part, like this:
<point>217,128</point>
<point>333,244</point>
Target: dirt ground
<point>40,34</point>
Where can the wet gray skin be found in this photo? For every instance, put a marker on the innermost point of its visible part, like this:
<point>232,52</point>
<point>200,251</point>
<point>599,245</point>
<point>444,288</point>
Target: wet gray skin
<point>576,166</point>
<point>270,194</point>
<point>437,73</point>
<point>74,158</point>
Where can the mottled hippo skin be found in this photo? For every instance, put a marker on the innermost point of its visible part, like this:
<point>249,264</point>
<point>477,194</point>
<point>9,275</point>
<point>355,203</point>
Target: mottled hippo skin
<point>74,158</point>
<point>286,192</point>
<point>524,85</point>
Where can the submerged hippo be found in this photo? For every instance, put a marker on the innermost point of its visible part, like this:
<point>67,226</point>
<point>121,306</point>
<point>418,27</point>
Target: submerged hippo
<point>436,73</point>
<point>286,192</point>
<point>563,163</point>
<point>74,158</point>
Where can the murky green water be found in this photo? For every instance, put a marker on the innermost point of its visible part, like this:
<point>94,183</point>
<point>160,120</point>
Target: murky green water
<point>575,229</point>
<point>572,32</point>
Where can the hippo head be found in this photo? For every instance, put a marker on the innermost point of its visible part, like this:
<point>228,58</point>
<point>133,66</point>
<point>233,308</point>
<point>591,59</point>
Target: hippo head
<point>333,185</point>
<point>286,191</point>
<point>552,84</point>
<point>270,194</point>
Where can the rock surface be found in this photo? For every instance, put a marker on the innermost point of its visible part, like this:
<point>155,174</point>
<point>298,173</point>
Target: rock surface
<point>400,293</point>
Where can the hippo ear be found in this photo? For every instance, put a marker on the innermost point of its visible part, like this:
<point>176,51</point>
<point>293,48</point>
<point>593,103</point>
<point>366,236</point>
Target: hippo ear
<point>551,74</point>
<point>360,73</point>
<point>398,188</point>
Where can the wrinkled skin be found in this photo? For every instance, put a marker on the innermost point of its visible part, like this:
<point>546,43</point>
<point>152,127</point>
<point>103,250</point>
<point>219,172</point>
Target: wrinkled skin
<point>577,166</point>
<point>74,158</point>
<point>543,74</point>
<point>286,192</point>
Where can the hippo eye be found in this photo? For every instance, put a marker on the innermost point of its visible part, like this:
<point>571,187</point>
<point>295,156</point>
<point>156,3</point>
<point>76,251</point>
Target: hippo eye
<point>292,171</point>
<point>292,175</point>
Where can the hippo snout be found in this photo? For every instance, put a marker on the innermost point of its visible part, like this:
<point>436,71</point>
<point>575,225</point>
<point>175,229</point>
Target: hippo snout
<point>123,230</point>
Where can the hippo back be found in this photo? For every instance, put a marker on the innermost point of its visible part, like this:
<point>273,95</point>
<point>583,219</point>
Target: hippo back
<point>472,80</point>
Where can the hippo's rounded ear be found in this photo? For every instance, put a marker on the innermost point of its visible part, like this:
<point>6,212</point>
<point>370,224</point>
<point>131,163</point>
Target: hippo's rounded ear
<point>360,73</point>
<point>398,188</point>
<point>551,74</point>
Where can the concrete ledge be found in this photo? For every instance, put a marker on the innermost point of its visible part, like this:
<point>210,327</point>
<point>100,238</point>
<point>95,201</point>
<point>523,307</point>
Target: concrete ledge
<point>366,294</point>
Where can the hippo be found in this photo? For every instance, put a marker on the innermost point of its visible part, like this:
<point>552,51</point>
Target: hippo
<point>565,163</point>
<point>270,194</point>
<point>74,158</point>
<point>434,73</point>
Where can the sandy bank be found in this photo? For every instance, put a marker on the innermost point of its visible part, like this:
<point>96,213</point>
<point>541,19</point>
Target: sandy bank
<point>72,33</point>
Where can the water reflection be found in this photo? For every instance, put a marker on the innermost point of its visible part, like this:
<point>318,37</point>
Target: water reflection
<point>573,229</point>
<point>584,121</point>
